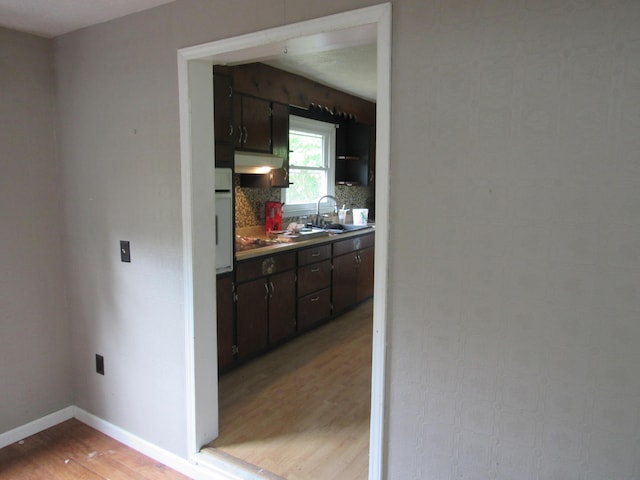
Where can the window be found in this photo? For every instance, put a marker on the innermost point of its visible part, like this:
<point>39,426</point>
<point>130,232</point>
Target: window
<point>311,165</point>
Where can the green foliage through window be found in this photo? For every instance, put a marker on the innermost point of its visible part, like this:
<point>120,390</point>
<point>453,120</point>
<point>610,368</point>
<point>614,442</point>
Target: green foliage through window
<point>311,164</point>
<point>306,168</point>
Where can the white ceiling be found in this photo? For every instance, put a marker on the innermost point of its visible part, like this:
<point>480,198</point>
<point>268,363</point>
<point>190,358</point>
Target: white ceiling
<point>50,18</point>
<point>350,67</point>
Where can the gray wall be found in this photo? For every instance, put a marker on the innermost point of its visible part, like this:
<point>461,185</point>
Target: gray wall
<point>34,325</point>
<point>119,141</point>
<point>513,301</point>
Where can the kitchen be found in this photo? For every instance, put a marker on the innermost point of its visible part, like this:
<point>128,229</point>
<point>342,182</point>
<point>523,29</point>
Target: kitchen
<point>301,250</point>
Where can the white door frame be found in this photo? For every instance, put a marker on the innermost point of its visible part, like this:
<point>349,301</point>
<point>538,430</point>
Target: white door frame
<point>197,155</point>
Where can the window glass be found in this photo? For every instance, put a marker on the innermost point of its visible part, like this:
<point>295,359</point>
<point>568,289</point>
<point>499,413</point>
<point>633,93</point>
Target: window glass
<point>311,165</point>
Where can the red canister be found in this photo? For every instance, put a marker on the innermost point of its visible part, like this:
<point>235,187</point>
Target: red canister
<point>273,216</point>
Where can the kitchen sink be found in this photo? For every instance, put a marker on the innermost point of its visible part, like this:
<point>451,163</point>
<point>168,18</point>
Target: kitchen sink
<point>342,227</point>
<point>306,233</point>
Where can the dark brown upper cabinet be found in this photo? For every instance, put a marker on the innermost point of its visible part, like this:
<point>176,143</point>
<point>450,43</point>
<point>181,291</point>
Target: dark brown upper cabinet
<point>223,122</point>
<point>354,158</point>
<point>253,123</point>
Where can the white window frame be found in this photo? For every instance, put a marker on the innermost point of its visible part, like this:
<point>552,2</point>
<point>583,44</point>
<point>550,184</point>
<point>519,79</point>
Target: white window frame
<point>328,132</point>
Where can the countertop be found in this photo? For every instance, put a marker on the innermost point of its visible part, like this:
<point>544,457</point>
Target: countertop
<point>283,247</point>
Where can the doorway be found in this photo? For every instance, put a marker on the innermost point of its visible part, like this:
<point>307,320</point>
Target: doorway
<point>196,123</point>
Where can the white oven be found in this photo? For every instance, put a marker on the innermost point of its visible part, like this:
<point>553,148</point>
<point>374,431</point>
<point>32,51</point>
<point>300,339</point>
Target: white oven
<point>224,220</point>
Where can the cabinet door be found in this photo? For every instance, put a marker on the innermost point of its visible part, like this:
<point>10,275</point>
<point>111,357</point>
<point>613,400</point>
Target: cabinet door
<point>365,274</point>
<point>251,317</point>
<point>225,321</point>
<point>282,305</point>
<point>224,155</point>
<point>313,308</point>
<point>345,277</point>
<point>256,124</point>
<point>314,254</point>
<point>223,124</point>
<point>223,108</point>
<point>352,164</point>
<point>314,277</point>
<point>359,143</point>
<point>280,143</point>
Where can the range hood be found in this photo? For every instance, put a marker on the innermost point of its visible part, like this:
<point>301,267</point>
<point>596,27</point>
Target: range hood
<point>249,162</point>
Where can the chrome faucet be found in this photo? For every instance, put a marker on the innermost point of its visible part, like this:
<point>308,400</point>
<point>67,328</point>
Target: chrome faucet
<point>318,207</point>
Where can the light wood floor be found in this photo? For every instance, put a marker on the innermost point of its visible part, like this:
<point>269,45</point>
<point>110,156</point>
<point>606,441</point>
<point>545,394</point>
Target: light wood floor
<point>302,411</point>
<point>73,450</point>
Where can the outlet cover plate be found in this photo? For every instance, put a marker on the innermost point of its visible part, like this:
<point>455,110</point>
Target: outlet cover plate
<point>99,364</point>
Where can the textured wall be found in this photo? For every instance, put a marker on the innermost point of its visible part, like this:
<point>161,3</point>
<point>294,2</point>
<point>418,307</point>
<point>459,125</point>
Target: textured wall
<point>515,301</point>
<point>514,270</point>
<point>34,328</point>
<point>119,143</point>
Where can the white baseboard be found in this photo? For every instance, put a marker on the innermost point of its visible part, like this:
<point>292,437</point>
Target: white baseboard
<point>189,468</point>
<point>196,469</point>
<point>36,426</point>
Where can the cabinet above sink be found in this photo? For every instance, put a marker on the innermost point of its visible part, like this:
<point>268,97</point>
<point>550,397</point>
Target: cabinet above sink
<point>355,159</point>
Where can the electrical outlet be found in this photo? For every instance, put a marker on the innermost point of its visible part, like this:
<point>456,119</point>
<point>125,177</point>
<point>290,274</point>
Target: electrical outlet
<point>125,252</point>
<point>99,364</point>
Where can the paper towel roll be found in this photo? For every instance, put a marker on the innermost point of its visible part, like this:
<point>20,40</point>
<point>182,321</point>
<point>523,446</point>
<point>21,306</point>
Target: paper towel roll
<point>360,216</point>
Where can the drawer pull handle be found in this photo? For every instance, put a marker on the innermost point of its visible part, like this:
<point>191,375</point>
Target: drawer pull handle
<point>315,254</point>
<point>315,299</point>
<point>315,270</point>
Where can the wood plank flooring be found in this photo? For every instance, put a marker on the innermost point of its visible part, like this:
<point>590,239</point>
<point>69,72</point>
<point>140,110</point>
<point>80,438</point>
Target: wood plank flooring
<point>72,450</point>
<point>302,411</point>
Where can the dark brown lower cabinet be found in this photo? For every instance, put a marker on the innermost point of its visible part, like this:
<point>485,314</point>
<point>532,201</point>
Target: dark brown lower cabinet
<point>343,287</point>
<point>314,308</point>
<point>252,316</point>
<point>314,285</point>
<point>353,267</point>
<point>364,288</point>
<point>282,306</point>
<point>225,321</point>
<point>282,295</point>
<point>265,302</point>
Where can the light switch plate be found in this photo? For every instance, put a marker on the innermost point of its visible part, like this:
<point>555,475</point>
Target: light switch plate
<point>125,252</point>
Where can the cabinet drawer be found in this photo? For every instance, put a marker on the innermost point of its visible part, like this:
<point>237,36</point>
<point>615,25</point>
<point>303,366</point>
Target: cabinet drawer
<point>353,244</point>
<point>266,265</point>
<point>313,309</point>
<point>314,254</point>
<point>314,277</point>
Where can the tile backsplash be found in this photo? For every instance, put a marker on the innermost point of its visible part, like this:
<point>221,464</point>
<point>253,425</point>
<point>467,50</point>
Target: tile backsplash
<point>250,202</point>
